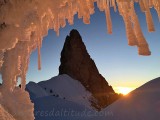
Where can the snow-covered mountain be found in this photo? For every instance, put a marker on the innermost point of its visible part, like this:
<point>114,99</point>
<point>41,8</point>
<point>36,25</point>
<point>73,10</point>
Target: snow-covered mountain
<point>35,90</point>
<point>141,104</point>
<point>63,87</point>
<point>60,93</point>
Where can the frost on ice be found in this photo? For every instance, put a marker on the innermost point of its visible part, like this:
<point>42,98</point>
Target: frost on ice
<point>24,23</point>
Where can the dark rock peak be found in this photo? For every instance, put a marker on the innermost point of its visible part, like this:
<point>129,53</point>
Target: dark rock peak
<point>77,63</point>
<point>75,34</point>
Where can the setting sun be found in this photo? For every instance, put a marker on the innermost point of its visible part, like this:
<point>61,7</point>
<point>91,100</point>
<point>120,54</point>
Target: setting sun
<point>124,90</point>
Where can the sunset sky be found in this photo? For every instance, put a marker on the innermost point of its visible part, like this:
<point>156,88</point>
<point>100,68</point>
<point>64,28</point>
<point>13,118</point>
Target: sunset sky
<point>119,63</point>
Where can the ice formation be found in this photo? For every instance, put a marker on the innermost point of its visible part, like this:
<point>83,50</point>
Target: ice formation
<point>24,23</point>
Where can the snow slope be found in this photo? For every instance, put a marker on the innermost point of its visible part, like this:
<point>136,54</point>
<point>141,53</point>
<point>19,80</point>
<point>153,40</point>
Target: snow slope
<point>68,100</point>
<point>53,108</point>
<point>35,90</point>
<point>141,104</point>
<point>65,87</point>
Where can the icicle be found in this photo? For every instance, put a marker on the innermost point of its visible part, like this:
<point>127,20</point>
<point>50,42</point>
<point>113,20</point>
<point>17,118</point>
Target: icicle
<point>157,7</point>
<point>81,8</point>
<point>132,41</point>
<point>90,5</point>
<point>108,18</point>
<point>56,24</point>
<point>102,4</point>
<point>86,16</point>
<point>70,19</point>
<point>62,22</point>
<point>143,47</point>
<point>18,69</point>
<point>126,13</point>
<point>131,34</point>
<point>70,14</point>
<point>84,12</point>
<point>86,19</point>
<point>150,3</point>
<point>114,5</point>
<point>24,72</point>
<point>39,55</point>
<point>142,5</point>
<point>110,3</point>
<point>79,13</point>
<point>24,67</point>
<point>149,19</point>
<point>1,58</point>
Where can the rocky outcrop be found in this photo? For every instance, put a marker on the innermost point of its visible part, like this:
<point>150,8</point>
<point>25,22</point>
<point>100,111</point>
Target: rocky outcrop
<point>77,63</point>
